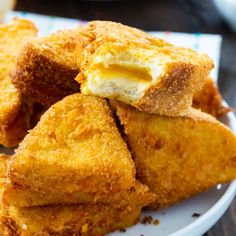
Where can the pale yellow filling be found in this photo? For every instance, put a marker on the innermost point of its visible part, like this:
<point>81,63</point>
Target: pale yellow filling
<point>122,76</point>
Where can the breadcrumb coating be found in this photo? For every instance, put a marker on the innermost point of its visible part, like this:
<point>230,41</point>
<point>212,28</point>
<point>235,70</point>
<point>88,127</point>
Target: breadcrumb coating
<point>46,67</point>
<point>177,157</point>
<point>75,148</point>
<point>77,219</point>
<point>15,111</point>
<point>136,68</point>
<point>209,100</point>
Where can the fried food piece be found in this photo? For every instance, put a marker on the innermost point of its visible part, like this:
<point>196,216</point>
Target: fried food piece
<point>46,67</point>
<point>3,163</point>
<point>30,198</point>
<point>4,159</point>
<point>75,148</point>
<point>78,219</point>
<point>13,131</point>
<point>177,157</point>
<point>15,110</point>
<point>131,66</point>
<point>27,117</point>
<point>209,100</point>
<point>84,220</point>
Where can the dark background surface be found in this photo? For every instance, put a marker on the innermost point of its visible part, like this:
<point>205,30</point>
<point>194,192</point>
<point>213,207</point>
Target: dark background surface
<point>160,15</point>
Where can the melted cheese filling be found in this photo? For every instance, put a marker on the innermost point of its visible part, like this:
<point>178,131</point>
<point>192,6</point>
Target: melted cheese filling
<point>125,80</point>
<point>124,71</point>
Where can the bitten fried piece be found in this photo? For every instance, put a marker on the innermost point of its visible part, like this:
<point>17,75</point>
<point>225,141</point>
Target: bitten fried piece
<point>78,219</point>
<point>15,110</point>
<point>138,69</point>
<point>209,100</point>
<point>178,157</point>
<point>76,147</point>
<point>46,67</point>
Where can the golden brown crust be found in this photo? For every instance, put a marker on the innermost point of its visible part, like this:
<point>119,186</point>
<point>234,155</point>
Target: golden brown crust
<point>178,157</point>
<point>21,197</point>
<point>173,87</point>
<point>42,79</point>
<point>97,220</point>
<point>4,159</point>
<point>46,67</point>
<point>12,38</point>
<point>185,70</point>
<point>13,131</point>
<point>99,32</point>
<point>209,100</point>
<point>75,147</point>
<point>78,219</point>
<point>15,110</point>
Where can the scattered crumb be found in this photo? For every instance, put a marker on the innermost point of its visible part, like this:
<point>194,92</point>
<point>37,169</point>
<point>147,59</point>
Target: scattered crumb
<point>147,220</point>
<point>196,215</point>
<point>150,220</point>
<point>156,222</point>
<point>122,230</point>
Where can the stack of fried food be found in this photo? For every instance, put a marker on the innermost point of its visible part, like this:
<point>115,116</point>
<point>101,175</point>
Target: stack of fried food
<point>120,125</point>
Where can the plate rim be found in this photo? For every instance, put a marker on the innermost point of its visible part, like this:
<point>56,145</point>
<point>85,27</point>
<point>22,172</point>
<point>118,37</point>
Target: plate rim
<point>201,224</point>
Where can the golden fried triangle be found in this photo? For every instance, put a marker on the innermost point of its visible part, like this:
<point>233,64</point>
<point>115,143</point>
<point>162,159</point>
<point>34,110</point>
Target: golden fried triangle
<point>15,110</point>
<point>74,151</point>
<point>177,157</point>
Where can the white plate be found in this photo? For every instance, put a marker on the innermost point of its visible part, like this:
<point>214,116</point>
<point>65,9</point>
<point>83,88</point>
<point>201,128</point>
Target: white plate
<point>178,220</point>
